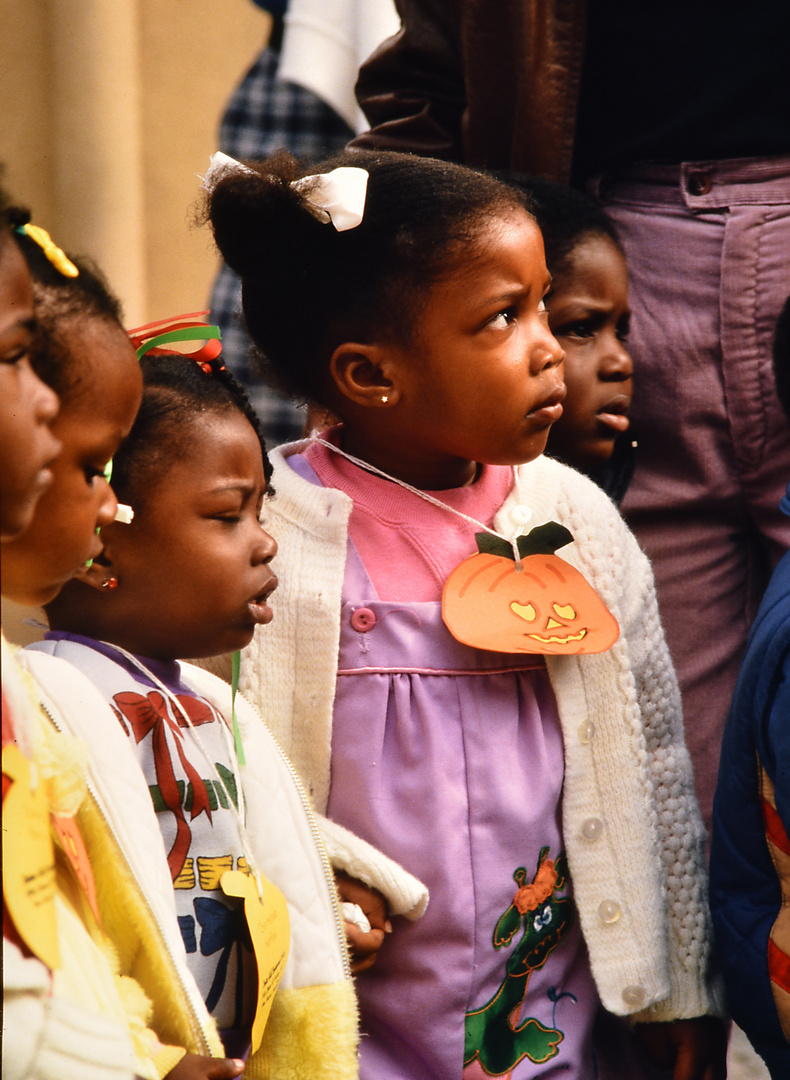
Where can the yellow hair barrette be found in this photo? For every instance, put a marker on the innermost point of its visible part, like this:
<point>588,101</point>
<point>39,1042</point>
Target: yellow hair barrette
<point>56,255</point>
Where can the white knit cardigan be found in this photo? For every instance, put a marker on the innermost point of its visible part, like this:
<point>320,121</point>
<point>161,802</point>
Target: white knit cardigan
<point>639,881</point>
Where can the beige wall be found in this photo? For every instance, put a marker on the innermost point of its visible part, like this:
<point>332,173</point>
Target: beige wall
<point>108,112</point>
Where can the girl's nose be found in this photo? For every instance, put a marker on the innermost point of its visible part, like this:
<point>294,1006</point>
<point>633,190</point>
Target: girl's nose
<point>616,365</point>
<point>546,353</point>
<point>108,506</point>
<point>265,547</point>
<point>47,404</point>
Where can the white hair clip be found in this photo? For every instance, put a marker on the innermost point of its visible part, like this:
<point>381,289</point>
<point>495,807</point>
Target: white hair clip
<point>337,197</point>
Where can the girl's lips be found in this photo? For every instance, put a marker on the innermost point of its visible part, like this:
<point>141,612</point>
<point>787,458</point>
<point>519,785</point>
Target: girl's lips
<point>259,608</point>
<point>97,549</point>
<point>617,421</point>
<point>43,479</point>
<point>550,410</point>
<point>614,414</point>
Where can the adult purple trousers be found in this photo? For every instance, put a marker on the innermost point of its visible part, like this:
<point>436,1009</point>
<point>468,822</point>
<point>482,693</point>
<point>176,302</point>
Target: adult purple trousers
<point>708,250</point>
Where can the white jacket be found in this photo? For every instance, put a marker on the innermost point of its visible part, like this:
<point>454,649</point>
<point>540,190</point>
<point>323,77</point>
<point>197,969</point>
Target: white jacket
<point>640,885</point>
<point>312,1029</point>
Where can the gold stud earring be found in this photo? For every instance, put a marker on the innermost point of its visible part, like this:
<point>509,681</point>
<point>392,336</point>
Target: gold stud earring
<point>384,399</point>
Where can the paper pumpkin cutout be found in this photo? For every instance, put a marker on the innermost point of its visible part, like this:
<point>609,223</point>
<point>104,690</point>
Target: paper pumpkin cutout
<point>545,607</point>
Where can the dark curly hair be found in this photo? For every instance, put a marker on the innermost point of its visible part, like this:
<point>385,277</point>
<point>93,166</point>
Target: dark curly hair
<point>177,393</point>
<point>565,217</point>
<point>306,287</point>
<point>59,301</point>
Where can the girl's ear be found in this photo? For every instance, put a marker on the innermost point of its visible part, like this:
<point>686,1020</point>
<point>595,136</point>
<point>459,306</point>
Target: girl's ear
<point>368,375</point>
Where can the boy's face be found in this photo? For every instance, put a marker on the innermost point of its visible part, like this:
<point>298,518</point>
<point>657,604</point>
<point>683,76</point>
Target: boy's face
<point>589,316</point>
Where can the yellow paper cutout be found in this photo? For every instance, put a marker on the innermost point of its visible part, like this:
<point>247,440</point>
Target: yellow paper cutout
<point>29,858</point>
<point>270,931</point>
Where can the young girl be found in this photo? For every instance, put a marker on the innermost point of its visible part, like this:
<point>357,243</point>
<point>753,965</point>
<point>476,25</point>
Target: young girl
<point>66,1011</point>
<point>590,317</point>
<point>191,575</point>
<point>546,801</point>
<point>82,349</point>
<point>85,355</point>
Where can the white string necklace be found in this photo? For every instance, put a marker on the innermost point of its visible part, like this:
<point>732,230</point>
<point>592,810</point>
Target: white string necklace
<point>511,540</point>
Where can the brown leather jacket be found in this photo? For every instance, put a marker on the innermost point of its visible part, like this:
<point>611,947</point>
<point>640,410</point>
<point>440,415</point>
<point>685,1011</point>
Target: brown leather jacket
<point>488,82</point>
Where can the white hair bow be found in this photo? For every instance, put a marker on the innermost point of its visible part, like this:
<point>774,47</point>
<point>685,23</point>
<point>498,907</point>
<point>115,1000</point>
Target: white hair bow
<point>337,197</point>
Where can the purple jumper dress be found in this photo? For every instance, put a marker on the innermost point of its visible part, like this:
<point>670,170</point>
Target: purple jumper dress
<point>450,760</point>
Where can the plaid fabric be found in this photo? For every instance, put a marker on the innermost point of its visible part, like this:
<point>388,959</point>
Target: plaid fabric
<point>262,116</point>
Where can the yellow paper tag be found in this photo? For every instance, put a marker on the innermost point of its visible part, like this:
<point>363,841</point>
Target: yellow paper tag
<point>29,858</point>
<point>270,931</point>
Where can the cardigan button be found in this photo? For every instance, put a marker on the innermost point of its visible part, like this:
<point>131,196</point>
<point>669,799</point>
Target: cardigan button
<point>363,619</point>
<point>586,732</point>
<point>610,911</point>
<point>634,996</point>
<point>521,515</point>
<point>592,828</point>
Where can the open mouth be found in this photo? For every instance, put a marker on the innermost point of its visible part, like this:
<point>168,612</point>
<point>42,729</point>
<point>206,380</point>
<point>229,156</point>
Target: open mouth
<point>259,605</point>
<point>614,414</point>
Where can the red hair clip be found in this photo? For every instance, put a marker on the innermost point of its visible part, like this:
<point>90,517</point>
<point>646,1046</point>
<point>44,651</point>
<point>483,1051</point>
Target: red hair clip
<point>190,327</point>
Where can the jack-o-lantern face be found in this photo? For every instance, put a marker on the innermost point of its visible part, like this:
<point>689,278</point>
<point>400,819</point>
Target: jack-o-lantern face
<point>545,607</point>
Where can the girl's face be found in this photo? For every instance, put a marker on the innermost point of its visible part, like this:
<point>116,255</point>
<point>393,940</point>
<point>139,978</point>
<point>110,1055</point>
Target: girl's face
<point>481,380</point>
<point>589,316</point>
<point>95,416</point>
<point>193,567</point>
<point>27,405</point>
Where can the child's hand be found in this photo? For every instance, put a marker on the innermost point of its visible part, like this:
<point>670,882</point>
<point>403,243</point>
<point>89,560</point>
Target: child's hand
<point>693,1049</point>
<point>363,945</point>
<point>197,1067</point>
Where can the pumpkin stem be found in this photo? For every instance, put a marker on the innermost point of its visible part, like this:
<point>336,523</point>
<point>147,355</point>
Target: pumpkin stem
<point>542,540</point>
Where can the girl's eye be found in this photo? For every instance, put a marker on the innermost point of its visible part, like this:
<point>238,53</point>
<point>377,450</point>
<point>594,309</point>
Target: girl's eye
<point>577,329</point>
<point>15,356</point>
<point>622,331</point>
<point>503,319</point>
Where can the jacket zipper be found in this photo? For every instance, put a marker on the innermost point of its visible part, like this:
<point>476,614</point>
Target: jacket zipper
<point>197,1027</point>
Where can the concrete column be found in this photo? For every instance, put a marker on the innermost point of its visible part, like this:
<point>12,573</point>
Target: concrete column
<point>97,140</point>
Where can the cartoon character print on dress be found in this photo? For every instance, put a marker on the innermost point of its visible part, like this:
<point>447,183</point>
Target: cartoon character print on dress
<point>150,714</point>
<point>495,1036</point>
<point>540,605</point>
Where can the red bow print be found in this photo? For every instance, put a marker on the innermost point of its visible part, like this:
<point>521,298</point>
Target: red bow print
<point>151,714</point>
